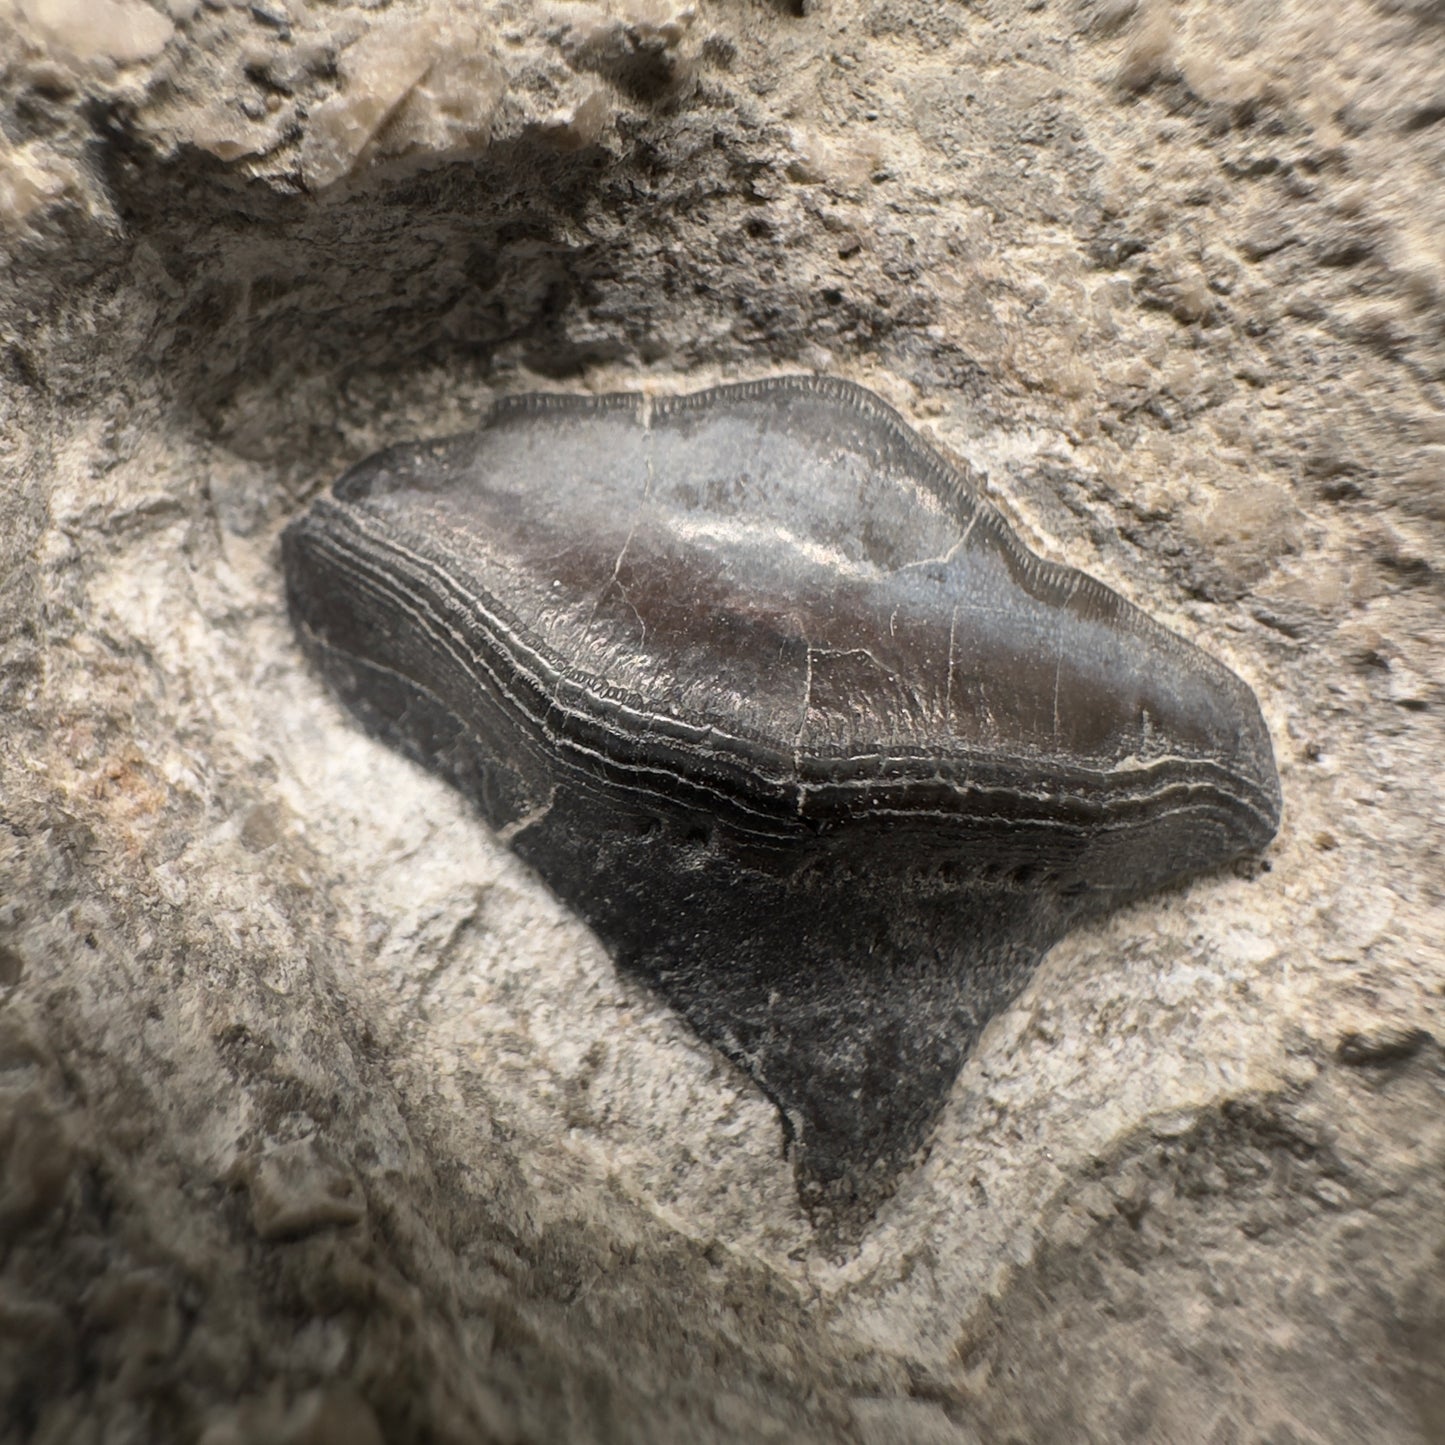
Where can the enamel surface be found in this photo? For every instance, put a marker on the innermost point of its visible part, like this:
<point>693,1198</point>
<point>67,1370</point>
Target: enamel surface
<point>764,689</point>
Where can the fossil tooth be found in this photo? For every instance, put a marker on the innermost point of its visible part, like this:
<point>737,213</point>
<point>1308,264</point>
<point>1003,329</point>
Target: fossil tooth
<point>781,706</point>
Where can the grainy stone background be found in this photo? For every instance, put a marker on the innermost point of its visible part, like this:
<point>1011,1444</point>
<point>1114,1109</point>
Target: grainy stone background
<point>319,1120</point>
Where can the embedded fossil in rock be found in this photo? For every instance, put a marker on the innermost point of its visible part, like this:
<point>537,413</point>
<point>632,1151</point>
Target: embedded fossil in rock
<point>769,694</point>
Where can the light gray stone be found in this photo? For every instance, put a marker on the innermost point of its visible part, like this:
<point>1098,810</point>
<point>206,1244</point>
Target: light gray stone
<point>1169,276</point>
<point>297,1189</point>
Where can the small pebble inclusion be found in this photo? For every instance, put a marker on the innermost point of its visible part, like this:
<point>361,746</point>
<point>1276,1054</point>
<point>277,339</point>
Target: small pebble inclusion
<point>767,692</point>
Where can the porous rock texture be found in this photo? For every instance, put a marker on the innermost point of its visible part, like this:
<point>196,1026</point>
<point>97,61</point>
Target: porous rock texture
<point>319,1119</point>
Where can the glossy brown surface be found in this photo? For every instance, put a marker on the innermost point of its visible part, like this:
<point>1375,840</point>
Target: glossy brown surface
<point>766,691</point>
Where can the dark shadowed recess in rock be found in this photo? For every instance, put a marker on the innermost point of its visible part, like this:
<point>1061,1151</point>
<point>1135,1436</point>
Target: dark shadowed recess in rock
<point>460,259</point>
<point>556,259</point>
<point>765,691</point>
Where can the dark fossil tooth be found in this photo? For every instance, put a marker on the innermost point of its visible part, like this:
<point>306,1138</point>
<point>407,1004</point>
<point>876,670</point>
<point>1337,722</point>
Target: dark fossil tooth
<point>764,689</point>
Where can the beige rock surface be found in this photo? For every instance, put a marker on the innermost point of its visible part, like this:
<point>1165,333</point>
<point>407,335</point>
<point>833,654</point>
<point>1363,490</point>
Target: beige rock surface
<point>319,1119</point>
